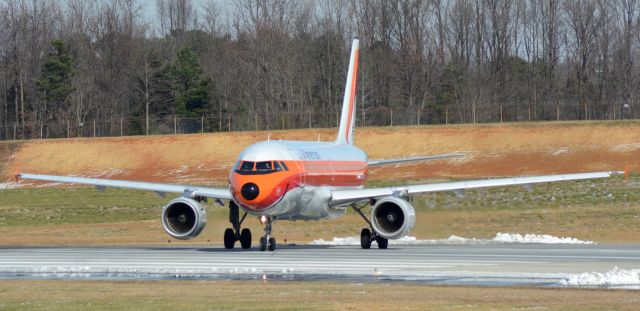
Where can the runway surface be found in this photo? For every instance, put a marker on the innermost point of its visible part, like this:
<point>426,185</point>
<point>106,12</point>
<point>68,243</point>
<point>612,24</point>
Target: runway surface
<point>498,264</point>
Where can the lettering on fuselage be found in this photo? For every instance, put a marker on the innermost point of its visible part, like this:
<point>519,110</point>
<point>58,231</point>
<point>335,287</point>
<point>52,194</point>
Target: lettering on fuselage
<point>310,155</point>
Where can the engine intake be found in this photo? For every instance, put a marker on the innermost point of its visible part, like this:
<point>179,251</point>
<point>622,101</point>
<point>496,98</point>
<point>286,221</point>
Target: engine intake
<point>392,217</point>
<point>184,218</point>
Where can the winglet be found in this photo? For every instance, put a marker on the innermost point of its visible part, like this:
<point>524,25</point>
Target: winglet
<point>626,173</point>
<point>17,174</point>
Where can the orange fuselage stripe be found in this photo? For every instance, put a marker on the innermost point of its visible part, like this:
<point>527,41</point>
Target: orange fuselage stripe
<point>273,186</point>
<point>352,95</point>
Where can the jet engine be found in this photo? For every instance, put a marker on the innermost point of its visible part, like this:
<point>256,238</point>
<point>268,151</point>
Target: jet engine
<point>184,218</point>
<point>392,217</point>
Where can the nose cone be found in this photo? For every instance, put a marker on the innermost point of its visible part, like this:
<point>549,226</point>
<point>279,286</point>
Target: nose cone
<point>250,191</point>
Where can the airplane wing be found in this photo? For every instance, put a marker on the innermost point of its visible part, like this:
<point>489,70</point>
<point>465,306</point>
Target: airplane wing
<point>415,159</point>
<point>214,193</point>
<point>339,197</point>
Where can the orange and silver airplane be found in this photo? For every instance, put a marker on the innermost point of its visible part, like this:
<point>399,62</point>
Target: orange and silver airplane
<point>302,180</point>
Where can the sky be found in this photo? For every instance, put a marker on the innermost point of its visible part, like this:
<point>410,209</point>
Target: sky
<point>149,7</point>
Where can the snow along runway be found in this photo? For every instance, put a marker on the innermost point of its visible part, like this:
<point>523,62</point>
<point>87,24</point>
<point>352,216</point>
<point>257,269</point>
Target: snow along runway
<point>499,264</point>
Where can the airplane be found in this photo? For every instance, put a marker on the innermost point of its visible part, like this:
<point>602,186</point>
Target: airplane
<point>305,180</point>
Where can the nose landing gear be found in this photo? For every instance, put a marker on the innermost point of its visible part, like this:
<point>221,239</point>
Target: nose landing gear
<point>235,234</point>
<point>267,241</point>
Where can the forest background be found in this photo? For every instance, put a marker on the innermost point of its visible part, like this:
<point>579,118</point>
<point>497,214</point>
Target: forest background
<point>104,68</point>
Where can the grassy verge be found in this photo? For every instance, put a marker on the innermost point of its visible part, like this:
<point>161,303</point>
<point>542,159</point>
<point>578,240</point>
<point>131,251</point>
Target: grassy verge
<point>606,210</point>
<point>252,295</point>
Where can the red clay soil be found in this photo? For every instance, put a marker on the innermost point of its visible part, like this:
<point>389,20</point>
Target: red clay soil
<point>490,150</point>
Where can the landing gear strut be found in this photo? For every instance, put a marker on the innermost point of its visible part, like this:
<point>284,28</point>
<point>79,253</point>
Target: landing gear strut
<point>267,241</point>
<point>231,235</point>
<point>367,236</point>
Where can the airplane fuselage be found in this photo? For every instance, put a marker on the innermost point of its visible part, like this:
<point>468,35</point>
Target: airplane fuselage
<point>293,179</point>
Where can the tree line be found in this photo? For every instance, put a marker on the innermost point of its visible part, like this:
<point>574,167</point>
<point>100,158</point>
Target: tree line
<point>255,62</point>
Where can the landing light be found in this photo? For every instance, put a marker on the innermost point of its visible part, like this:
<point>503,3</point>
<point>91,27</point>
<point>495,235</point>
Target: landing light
<point>263,219</point>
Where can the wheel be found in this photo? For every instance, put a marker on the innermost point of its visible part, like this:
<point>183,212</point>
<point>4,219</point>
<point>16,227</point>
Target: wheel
<point>245,238</point>
<point>272,244</point>
<point>382,242</point>
<point>229,238</point>
<point>365,238</point>
<point>263,244</point>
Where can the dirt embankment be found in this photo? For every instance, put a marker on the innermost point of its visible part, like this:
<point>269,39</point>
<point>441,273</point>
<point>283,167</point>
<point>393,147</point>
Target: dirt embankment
<point>490,150</point>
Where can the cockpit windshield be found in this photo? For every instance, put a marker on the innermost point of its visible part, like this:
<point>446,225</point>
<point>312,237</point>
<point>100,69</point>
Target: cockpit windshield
<point>260,168</point>
<point>246,166</point>
<point>264,166</point>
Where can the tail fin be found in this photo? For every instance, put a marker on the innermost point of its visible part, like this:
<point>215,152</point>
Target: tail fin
<point>348,117</point>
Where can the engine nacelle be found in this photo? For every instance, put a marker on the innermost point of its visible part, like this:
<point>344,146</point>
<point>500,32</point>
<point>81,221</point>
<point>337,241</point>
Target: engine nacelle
<point>392,217</point>
<point>184,218</point>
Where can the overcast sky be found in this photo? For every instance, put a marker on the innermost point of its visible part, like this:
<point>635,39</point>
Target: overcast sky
<point>149,7</point>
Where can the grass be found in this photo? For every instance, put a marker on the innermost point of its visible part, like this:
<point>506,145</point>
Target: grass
<point>84,216</point>
<point>605,210</point>
<point>259,295</point>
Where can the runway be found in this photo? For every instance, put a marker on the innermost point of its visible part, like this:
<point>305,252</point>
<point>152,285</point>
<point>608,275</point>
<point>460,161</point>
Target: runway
<point>497,264</point>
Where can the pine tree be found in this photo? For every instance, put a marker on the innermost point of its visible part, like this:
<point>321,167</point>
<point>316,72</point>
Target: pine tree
<point>191,88</point>
<point>55,82</point>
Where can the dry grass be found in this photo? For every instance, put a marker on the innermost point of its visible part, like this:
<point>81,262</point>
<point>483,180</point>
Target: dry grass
<point>259,295</point>
<point>115,217</point>
<point>491,150</point>
<point>605,210</point>
<point>66,217</point>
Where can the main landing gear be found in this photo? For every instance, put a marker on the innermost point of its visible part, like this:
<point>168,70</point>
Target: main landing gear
<point>235,234</point>
<point>267,241</point>
<point>367,236</point>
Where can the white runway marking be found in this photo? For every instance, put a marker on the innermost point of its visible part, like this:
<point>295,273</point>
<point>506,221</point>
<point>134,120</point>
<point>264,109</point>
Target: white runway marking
<point>468,264</point>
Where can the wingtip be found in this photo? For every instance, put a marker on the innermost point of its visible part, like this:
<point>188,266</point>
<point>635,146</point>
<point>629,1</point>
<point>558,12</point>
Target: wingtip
<point>17,174</point>
<point>626,173</point>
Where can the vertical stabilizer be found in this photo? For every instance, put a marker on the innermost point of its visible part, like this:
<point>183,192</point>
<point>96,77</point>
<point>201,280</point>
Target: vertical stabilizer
<point>348,117</point>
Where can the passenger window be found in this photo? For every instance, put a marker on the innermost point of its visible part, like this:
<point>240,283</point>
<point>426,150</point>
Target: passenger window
<point>246,166</point>
<point>276,166</point>
<point>263,166</point>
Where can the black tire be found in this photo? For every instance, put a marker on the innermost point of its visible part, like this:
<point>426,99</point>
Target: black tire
<point>229,238</point>
<point>245,238</point>
<point>272,244</point>
<point>365,238</point>
<point>382,242</point>
<point>263,244</point>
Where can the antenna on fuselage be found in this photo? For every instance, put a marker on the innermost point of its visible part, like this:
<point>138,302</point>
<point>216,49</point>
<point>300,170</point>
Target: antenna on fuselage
<point>318,137</point>
<point>269,137</point>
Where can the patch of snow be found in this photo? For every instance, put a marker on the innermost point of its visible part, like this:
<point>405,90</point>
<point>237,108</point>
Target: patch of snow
<point>106,173</point>
<point>614,277</point>
<point>536,238</point>
<point>180,171</point>
<point>454,239</point>
<point>626,147</point>
<point>559,151</point>
<point>50,184</point>
<point>9,185</point>
<point>406,240</point>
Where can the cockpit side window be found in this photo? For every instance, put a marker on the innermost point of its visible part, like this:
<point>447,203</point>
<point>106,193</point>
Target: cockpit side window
<point>276,166</point>
<point>285,166</point>
<point>246,166</point>
<point>264,166</point>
